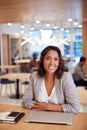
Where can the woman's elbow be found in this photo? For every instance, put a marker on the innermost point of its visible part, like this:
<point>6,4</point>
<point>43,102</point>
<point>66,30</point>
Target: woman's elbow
<point>76,109</point>
<point>23,104</point>
<point>26,104</point>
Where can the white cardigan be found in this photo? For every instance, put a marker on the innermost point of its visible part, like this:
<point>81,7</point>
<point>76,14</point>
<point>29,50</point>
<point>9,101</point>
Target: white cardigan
<point>65,92</point>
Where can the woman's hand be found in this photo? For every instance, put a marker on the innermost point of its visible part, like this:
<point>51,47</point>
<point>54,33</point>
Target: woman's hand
<point>40,106</point>
<point>46,106</point>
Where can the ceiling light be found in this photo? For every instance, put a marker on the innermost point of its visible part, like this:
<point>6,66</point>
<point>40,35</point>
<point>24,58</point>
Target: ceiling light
<point>21,31</point>
<point>31,28</point>
<point>69,19</point>
<point>37,21</point>
<point>67,31</point>
<point>22,26</point>
<point>80,25</point>
<point>21,44</point>
<point>55,27</point>
<point>62,29</point>
<point>9,24</point>
<point>47,24</point>
<point>75,23</point>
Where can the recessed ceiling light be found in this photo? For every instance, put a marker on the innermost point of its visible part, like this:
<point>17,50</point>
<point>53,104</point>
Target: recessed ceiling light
<point>67,31</point>
<point>31,28</point>
<point>55,27</point>
<point>22,26</point>
<point>37,21</point>
<point>9,24</point>
<point>21,31</point>
<point>69,19</point>
<point>80,25</point>
<point>62,29</point>
<point>75,23</point>
<point>47,24</point>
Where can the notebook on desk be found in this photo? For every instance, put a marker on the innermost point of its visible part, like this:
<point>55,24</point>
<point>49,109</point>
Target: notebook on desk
<point>50,117</point>
<point>11,117</point>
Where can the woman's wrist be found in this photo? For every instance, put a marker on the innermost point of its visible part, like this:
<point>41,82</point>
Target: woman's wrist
<point>55,107</point>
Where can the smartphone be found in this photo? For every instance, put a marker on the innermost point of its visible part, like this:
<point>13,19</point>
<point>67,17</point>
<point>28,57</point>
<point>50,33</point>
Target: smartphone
<point>13,115</point>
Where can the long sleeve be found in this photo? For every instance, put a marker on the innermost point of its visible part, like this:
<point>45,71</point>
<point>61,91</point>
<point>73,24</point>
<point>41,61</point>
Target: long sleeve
<point>28,96</point>
<point>65,93</point>
<point>70,94</point>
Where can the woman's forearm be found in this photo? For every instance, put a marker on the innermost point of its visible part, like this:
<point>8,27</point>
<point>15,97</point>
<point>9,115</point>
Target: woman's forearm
<point>47,106</point>
<point>55,107</point>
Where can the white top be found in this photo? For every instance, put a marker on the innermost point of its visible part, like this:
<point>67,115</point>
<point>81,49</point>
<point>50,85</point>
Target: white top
<point>64,93</point>
<point>43,96</point>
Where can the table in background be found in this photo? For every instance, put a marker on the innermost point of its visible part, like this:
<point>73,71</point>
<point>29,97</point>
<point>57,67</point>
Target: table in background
<point>17,77</point>
<point>23,63</point>
<point>82,94</point>
<point>79,121</point>
<point>9,67</point>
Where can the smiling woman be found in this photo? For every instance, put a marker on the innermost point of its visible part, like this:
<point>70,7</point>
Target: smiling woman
<point>51,87</point>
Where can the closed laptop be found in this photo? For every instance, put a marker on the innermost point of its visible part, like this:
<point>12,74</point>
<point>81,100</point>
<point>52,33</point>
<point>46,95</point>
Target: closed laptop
<point>50,117</point>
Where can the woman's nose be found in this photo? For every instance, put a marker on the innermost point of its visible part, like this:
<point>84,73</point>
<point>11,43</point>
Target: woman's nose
<point>51,61</point>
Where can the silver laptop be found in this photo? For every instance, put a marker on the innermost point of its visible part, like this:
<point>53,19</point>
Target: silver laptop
<point>50,117</point>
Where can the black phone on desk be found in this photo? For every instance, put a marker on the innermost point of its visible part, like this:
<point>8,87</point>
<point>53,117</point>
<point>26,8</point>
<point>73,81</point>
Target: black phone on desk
<point>13,115</point>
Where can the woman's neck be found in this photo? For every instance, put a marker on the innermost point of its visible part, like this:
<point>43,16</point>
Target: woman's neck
<point>50,77</point>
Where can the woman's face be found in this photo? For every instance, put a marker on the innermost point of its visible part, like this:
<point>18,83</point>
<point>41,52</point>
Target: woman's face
<point>51,61</point>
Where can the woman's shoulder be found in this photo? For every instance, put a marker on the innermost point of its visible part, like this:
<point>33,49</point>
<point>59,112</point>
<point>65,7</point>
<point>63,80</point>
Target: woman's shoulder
<point>36,79</point>
<point>67,77</point>
<point>35,75</point>
<point>66,74</point>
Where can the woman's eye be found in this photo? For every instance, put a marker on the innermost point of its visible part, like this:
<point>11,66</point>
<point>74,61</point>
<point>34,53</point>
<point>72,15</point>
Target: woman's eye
<point>56,59</point>
<point>47,58</point>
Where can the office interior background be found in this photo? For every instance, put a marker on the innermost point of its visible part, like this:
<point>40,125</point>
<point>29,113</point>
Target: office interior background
<point>28,26</point>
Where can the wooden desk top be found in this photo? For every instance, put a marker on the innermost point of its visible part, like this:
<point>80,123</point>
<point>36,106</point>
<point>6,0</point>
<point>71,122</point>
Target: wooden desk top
<point>21,61</point>
<point>9,66</point>
<point>79,121</point>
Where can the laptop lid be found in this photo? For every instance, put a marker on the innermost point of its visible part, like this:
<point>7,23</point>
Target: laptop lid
<point>50,117</point>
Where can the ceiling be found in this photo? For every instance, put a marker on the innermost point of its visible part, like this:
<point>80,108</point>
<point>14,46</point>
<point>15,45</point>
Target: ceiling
<point>54,12</point>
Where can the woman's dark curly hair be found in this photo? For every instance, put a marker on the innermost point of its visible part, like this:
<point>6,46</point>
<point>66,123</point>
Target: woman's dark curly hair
<point>59,72</point>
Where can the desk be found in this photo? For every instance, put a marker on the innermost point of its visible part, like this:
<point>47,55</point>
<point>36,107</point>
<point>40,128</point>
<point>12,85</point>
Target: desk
<point>17,77</point>
<point>9,67</point>
<point>79,121</point>
<point>22,61</point>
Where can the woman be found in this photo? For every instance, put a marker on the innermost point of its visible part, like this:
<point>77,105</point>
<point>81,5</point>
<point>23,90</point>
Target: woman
<point>51,87</point>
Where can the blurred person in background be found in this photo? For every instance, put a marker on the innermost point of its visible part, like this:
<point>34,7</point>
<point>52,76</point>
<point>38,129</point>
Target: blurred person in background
<point>33,64</point>
<point>79,74</point>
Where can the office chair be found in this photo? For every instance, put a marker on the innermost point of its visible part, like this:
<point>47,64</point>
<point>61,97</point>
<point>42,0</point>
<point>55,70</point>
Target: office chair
<point>5,82</point>
<point>24,85</point>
